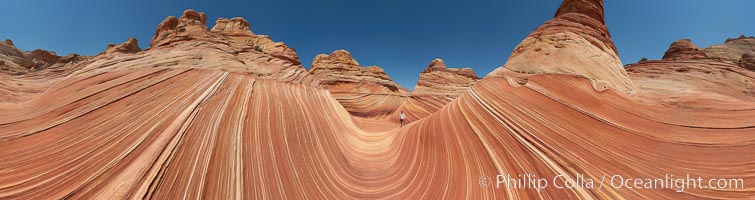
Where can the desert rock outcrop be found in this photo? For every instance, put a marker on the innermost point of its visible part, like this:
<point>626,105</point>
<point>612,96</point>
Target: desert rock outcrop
<point>748,61</point>
<point>440,80</point>
<point>688,77</point>
<point>239,30</point>
<point>733,50</point>
<point>340,72</point>
<point>191,25</point>
<point>683,50</point>
<point>13,58</point>
<point>187,42</point>
<point>18,61</point>
<point>202,116</point>
<point>575,42</point>
<point>363,91</point>
<point>130,46</point>
<point>9,43</point>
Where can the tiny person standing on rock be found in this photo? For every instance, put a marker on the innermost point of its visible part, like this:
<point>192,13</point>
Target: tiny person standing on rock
<point>401,118</point>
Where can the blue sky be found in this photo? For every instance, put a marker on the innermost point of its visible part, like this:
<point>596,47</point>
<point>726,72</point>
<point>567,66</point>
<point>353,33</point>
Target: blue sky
<point>400,36</point>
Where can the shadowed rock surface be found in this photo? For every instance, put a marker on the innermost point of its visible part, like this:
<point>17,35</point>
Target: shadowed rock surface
<point>748,61</point>
<point>733,50</point>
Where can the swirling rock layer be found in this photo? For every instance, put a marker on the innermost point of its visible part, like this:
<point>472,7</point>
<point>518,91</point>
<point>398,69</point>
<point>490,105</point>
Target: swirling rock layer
<point>363,91</point>
<point>212,118</point>
<point>230,135</point>
<point>576,42</point>
<point>735,51</point>
<point>437,79</point>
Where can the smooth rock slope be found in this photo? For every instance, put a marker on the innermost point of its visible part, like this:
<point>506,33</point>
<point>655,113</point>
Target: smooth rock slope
<point>575,42</point>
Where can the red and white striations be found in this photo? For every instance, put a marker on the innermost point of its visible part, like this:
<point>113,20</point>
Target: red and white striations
<point>683,49</point>
<point>193,116</point>
<point>17,61</point>
<point>748,61</point>
<point>26,73</point>
<point>734,51</point>
<point>437,79</point>
<point>130,46</point>
<point>688,77</point>
<point>575,42</point>
<point>186,42</point>
<point>438,85</point>
<point>363,91</point>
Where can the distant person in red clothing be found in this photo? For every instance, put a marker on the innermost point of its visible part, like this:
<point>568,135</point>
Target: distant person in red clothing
<point>402,117</point>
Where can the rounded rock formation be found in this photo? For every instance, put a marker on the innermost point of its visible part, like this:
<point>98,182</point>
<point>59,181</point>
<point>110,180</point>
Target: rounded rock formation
<point>237,29</point>
<point>163,29</point>
<point>683,50</point>
<point>437,79</point>
<point>191,25</point>
<point>236,26</point>
<point>575,42</point>
<point>363,91</point>
<point>193,17</point>
<point>130,46</point>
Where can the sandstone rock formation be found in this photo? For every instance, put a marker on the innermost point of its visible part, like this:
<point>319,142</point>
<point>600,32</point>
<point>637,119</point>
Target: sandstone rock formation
<point>191,25</point>
<point>190,130</point>
<point>440,80</point>
<point>340,72</point>
<point>692,83</point>
<point>438,85</point>
<point>733,50</point>
<point>234,27</point>
<point>688,77</point>
<point>363,91</point>
<point>130,46</point>
<point>24,74</point>
<point>683,50</point>
<point>18,61</point>
<point>13,58</point>
<point>187,42</point>
<point>238,30</point>
<point>748,61</point>
<point>196,117</point>
<point>575,42</point>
